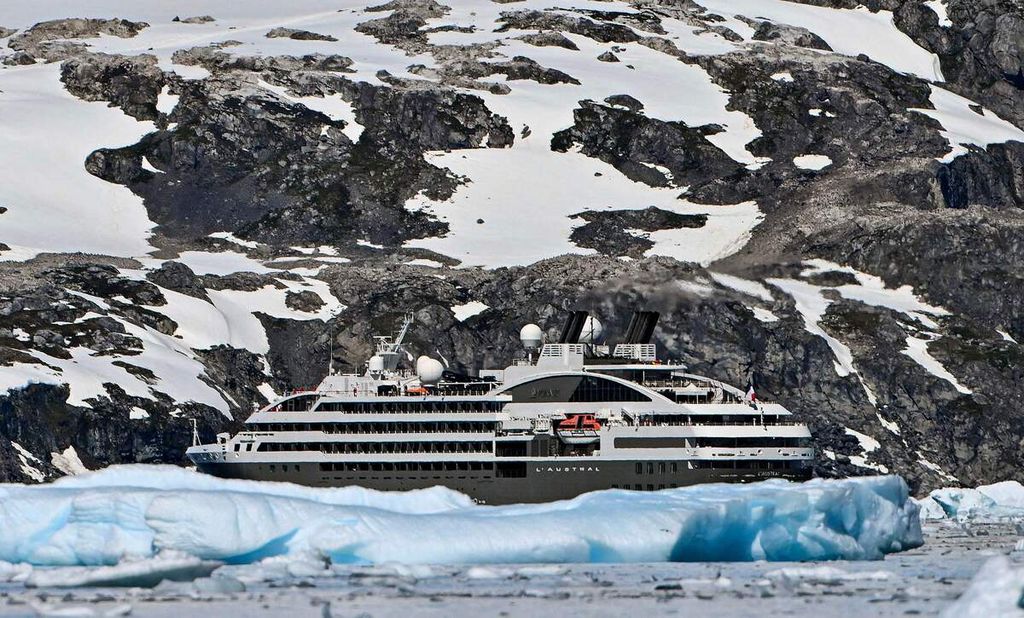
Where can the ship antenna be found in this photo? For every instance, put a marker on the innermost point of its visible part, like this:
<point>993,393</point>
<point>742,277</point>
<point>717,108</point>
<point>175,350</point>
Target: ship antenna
<point>330,353</point>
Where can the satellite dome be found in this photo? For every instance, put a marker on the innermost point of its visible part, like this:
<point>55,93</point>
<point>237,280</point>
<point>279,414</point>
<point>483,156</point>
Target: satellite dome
<point>531,335</point>
<point>592,330</point>
<point>376,364</point>
<point>429,370</point>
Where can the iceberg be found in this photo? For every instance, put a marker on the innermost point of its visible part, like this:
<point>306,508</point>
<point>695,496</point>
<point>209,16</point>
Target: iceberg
<point>988,503</point>
<point>136,512</point>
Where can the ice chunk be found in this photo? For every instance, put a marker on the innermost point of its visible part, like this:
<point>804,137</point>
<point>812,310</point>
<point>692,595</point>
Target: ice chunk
<point>987,503</point>
<point>825,575</point>
<point>101,517</point>
<point>144,573</point>
<point>994,591</point>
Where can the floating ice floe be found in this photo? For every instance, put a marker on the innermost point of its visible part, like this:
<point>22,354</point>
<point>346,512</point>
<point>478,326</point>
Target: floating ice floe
<point>988,503</point>
<point>137,512</point>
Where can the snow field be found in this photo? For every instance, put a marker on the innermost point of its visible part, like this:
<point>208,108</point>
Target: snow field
<point>138,512</point>
<point>847,31</point>
<point>963,127</point>
<point>525,196</point>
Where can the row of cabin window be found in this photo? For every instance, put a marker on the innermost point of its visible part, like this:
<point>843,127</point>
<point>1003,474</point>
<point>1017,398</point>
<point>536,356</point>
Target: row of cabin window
<point>378,447</point>
<point>410,466</point>
<point>711,442</point>
<point>673,467</point>
<point>305,403</point>
<point>370,428</point>
<point>715,419</point>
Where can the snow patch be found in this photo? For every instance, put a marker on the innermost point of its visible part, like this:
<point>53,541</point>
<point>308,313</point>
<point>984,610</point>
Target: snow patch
<point>964,127</point>
<point>939,6</point>
<point>68,462</point>
<point>783,76</point>
<point>847,31</point>
<point>764,315</point>
<point>917,349</point>
<point>27,459</point>
<point>525,197</point>
<point>744,286</point>
<point>812,162</point>
<point>468,310</point>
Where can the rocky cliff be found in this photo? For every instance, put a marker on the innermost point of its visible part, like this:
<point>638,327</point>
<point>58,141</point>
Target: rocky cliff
<point>820,196</point>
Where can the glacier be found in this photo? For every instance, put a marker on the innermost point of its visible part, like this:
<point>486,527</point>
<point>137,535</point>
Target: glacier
<point>136,512</point>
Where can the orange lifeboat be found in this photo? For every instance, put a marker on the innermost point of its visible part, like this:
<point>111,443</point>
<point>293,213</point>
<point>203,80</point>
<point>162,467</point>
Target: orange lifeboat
<point>579,429</point>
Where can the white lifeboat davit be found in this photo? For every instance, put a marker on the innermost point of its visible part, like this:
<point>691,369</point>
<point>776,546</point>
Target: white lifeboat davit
<point>579,429</point>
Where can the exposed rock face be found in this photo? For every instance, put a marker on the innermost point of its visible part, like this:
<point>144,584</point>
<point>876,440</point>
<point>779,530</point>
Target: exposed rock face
<point>311,172</point>
<point>49,40</point>
<point>299,35</point>
<point>636,145</point>
<point>351,190</point>
<point>132,83</point>
<point>614,232</point>
<point>790,35</point>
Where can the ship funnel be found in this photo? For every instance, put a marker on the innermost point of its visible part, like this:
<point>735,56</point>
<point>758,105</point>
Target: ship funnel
<point>592,330</point>
<point>428,370</point>
<point>573,327</point>
<point>641,326</point>
<point>531,336</point>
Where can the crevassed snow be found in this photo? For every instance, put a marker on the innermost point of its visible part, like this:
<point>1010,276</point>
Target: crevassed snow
<point>139,511</point>
<point>468,310</point>
<point>963,127</point>
<point>917,349</point>
<point>53,203</point>
<point>525,197</point>
<point>847,31</point>
<point>812,162</point>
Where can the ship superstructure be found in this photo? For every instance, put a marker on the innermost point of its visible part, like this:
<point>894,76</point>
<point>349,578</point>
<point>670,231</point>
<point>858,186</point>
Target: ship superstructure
<point>572,416</point>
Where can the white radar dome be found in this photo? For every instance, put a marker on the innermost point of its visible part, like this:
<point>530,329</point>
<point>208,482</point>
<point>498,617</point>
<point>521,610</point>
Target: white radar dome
<point>376,363</point>
<point>429,370</point>
<point>531,335</point>
<point>592,330</point>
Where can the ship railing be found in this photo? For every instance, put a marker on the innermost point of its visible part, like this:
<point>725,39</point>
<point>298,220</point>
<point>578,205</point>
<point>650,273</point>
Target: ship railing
<point>753,421</point>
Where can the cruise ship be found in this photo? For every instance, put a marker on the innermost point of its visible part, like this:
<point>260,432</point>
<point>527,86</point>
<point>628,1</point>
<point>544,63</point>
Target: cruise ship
<point>568,417</point>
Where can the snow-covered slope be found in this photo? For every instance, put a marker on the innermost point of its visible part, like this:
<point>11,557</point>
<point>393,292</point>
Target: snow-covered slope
<point>201,203</point>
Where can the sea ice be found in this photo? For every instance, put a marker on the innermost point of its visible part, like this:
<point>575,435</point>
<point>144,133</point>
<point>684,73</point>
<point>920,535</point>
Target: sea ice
<point>137,512</point>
